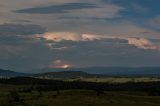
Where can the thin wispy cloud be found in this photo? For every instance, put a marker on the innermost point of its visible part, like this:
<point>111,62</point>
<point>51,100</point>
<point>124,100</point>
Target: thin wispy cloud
<point>63,8</point>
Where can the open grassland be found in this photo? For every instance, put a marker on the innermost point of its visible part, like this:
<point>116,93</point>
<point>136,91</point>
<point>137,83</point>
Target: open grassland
<point>26,91</point>
<point>115,79</point>
<point>10,97</point>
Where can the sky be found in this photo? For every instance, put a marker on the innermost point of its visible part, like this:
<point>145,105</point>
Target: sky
<point>37,34</point>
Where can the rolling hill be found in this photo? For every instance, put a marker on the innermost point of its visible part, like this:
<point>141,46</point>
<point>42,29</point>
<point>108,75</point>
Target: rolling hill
<point>64,74</point>
<point>8,73</point>
<point>108,71</point>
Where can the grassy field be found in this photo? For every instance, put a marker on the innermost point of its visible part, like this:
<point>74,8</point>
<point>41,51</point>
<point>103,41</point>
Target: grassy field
<point>115,79</point>
<point>43,92</point>
<point>9,97</point>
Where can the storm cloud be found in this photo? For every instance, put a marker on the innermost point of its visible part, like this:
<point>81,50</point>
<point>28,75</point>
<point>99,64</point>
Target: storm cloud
<point>36,34</point>
<point>20,29</point>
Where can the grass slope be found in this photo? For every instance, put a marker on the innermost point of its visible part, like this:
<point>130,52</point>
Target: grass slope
<point>77,98</point>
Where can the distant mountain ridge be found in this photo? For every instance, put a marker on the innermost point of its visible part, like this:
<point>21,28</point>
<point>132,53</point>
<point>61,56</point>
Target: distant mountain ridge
<point>8,73</point>
<point>111,71</point>
<point>87,72</point>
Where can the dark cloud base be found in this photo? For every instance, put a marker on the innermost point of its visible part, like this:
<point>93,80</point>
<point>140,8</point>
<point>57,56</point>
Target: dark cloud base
<point>20,29</point>
<point>24,54</point>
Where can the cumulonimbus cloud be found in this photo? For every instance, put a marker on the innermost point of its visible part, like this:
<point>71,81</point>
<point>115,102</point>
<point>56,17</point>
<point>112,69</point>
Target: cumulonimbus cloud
<point>61,36</point>
<point>142,43</point>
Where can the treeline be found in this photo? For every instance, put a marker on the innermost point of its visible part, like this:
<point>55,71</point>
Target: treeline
<point>152,88</point>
